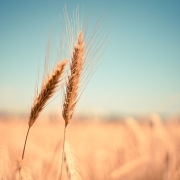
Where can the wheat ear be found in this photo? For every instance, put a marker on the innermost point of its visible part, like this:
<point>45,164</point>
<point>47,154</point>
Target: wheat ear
<point>71,95</point>
<point>48,88</point>
<point>73,80</point>
<point>84,55</point>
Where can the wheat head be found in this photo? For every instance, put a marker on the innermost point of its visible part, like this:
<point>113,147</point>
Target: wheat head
<point>84,56</point>
<point>85,47</point>
<point>73,80</point>
<point>47,90</point>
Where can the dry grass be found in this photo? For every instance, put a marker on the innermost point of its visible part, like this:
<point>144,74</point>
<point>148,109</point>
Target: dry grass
<point>123,150</point>
<point>104,150</point>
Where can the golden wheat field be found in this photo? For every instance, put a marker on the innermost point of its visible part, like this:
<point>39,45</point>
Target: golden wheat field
<point>65,147</point>
<point>128,149</point>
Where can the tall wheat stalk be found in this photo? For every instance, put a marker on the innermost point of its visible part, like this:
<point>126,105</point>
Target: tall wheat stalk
<point>86,52</point>
<point>72,86</point>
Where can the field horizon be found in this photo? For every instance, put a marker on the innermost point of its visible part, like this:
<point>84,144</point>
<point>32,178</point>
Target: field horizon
<point>103,149</point>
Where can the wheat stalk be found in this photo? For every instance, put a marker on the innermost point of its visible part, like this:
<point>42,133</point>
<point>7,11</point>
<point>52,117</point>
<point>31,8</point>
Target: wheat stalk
<point>86,48</point>
<point>71,95</point>
<point>85,55</point>
<point>73,80</point>
<point>49,87</point>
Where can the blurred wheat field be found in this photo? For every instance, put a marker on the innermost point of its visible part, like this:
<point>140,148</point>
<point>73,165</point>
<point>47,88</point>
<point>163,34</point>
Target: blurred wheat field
<point>127,149</point>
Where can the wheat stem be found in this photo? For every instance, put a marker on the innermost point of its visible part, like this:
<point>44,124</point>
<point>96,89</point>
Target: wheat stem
<point>62,160</point>
<point>25,142</point>
<point>48,89</point>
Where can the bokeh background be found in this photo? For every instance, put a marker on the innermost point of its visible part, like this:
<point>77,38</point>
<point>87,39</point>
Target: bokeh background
<point>137,83</point>
<point>139,73</point>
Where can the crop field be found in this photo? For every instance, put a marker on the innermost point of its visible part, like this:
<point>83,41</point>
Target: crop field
<point>127,149</point>
<point>134,47</point>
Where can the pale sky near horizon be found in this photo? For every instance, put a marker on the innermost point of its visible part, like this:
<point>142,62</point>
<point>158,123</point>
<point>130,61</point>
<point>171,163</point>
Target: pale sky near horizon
<point>140,70</point>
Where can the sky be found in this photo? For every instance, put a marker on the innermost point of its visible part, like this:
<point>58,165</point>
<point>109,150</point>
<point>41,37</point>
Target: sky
<point>140,69</point>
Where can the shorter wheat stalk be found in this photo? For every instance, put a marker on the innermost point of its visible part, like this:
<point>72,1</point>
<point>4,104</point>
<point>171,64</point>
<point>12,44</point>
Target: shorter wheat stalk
<point>48,88</point>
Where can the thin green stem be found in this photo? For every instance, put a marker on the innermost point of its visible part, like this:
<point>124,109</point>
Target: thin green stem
<point>25,143</point>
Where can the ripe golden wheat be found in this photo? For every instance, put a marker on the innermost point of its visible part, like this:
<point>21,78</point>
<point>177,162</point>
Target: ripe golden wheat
<point>48,89</point>
<point>85,54</point>
<point>85,50</point>
<point>76,66</point>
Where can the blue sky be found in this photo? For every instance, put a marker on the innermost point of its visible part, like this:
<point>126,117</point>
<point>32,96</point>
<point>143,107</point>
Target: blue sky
<point>139,72</point>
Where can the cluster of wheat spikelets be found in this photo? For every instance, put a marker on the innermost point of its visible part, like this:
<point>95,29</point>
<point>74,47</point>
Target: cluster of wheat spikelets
<point>83,53</point>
